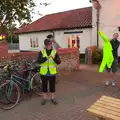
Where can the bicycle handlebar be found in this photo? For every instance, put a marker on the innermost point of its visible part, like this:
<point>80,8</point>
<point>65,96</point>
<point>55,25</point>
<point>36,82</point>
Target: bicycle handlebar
<point>28,67</point>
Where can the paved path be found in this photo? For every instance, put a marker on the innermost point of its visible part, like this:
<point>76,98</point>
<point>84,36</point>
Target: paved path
<point>75,92</point>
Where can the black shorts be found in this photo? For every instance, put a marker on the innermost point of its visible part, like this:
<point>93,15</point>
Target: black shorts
<point>113,67</point>
<point>48,79</point>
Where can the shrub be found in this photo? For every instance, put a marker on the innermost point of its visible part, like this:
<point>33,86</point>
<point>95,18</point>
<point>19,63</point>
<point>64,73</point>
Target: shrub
<point>119,66</point>
<point>97,56</point>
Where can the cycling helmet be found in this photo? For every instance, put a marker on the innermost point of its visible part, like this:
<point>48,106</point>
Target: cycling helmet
<point>47,42</point>
<point>50,36</point>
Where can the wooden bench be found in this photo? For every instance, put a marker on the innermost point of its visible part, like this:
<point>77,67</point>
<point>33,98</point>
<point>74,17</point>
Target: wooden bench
<point>106,108</point>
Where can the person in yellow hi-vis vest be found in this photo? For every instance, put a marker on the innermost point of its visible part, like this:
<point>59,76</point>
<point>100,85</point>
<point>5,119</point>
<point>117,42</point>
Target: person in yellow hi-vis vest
<point>48,59</point>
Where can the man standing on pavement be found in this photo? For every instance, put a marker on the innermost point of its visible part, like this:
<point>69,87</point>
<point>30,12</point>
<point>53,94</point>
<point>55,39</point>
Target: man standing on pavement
<point>115,45</point>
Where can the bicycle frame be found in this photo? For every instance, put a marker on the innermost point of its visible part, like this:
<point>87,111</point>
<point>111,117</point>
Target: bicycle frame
<point>25,84</point>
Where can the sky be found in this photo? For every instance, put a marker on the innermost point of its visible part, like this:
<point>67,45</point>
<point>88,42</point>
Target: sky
<point>58,6</point>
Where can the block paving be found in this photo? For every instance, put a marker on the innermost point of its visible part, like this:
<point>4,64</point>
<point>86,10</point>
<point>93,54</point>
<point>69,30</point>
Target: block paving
<point>75,91</point>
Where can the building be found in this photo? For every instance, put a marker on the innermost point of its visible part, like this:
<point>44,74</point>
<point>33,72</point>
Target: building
<point>70,28</point>
<point>109,19</point>
<point>79,23</point>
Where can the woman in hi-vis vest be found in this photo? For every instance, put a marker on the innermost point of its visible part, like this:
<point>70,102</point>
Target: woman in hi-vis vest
<point>48,59</point>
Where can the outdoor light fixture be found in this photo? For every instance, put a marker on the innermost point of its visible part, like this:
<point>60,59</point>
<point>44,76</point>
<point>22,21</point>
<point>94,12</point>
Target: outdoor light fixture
<point>95,3</point>
<point>2,37</point>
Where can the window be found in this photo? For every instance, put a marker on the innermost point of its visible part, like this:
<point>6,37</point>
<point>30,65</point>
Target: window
<point>74,40</point>
<point>68,41</point>
<point>73,44</point>
<point>78,41</point>
<point>34,42</point>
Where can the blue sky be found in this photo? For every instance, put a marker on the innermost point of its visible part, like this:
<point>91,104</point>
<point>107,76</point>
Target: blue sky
<point>59,6</point>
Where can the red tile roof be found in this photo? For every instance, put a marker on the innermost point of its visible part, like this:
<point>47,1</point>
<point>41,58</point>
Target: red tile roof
<point>78,18</point>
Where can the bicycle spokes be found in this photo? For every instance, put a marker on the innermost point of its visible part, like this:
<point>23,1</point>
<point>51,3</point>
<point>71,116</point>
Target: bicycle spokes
<point>10,95</point>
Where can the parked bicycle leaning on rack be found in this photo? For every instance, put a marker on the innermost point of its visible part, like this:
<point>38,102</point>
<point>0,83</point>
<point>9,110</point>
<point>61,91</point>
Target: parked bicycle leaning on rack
<point>12,90</point>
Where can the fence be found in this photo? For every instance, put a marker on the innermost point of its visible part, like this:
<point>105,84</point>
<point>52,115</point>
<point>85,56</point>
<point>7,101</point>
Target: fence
<point>13,46</point>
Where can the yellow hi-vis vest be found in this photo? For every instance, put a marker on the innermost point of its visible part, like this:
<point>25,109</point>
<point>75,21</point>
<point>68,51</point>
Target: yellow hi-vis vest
<point>48,64</point>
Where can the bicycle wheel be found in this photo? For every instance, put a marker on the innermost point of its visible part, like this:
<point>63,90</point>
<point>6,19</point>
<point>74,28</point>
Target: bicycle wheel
<point>3,97</point>
<point>36,84</point>
<point>6,97</point>
<point>21,96</point>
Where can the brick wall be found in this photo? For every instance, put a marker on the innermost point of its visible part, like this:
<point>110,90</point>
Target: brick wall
<point>69,59</point>
<point>3,48</point>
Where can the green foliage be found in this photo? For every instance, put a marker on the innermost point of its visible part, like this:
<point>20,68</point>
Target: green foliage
<point>97,56</point>
<point>17,11</point>
<point>12,39</point>
<point>118,65</point>
<point>14,10</point>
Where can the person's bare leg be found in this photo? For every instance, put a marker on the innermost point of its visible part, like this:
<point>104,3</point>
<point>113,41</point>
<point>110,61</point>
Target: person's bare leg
<point>53,100</point>
<point>52,95</point>
<point>113,79</point>
<point>114,70</point>
<point>45,96</point>
<point>52,90</point>
<point>44,90</point>
<point>108,76</point>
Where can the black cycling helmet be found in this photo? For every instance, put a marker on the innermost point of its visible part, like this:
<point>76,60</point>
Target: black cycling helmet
<point>50,36</point>
<point>47,42</point>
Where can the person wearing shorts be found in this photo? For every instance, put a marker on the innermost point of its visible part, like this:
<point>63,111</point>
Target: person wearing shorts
<point>48,59</point>
<point>115,45</point>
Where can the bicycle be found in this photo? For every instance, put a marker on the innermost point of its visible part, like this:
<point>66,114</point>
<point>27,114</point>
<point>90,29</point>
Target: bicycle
<point>13,89</point>
<point>5,72</point>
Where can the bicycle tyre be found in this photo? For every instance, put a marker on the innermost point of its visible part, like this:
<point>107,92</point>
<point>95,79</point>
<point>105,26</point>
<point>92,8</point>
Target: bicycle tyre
<point>18,95</point>
<point>36,84</point>
<point>21,96</point>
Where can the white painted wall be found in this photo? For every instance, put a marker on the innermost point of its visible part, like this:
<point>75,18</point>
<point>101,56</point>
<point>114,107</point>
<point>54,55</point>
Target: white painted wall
<point>85,38</point>
<point>109,18</point>
<point>60,37</point>
<point>24,40</point>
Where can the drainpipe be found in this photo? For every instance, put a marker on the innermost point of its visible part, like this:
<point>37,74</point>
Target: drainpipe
<point>97,6</point>
<point>98,20</point>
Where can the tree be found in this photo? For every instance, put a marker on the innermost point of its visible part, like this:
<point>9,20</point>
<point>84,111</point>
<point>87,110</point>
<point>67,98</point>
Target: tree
<point>14,10</point>
<point>20,11</point>
<point>11,36</point>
